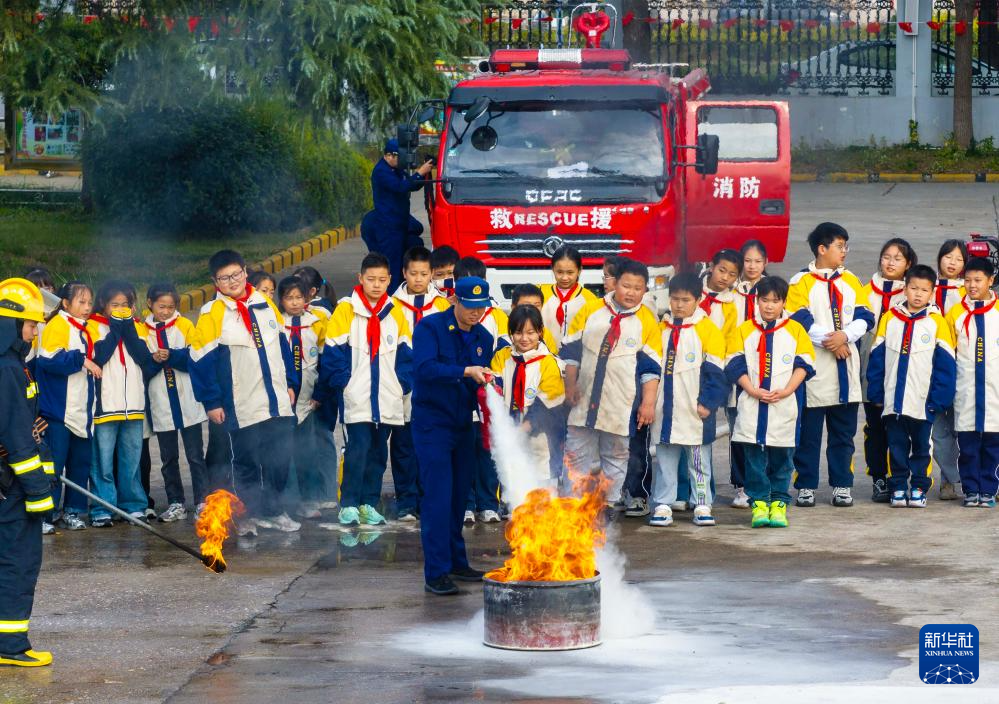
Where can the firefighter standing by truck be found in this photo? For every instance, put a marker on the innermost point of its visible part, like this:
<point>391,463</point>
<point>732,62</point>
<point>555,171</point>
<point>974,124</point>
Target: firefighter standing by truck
<point>26,473</point>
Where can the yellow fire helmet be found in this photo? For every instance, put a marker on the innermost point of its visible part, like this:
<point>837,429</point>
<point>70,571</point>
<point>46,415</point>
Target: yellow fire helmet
<point>19,298</point>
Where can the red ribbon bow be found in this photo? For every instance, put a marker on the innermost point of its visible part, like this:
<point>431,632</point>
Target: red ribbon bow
<point>975,311</point>
<point>614,334</point>
<point>885,296</point>
<point>710,298</point>
<point>835,299</point>
<point>563,302</point>
<point>374,320</point>
<point>519,382</point>
<point>121,345</point>
<point>417,311</point>
<point>941,293</point>
<point>761,347</point>
<point>82,327</point>
<point>674,340</point>
<point>244,312</point>
<point>159,329</point>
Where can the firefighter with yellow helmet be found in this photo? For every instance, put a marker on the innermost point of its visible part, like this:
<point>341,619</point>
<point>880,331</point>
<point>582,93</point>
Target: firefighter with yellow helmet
<point>26,473</point>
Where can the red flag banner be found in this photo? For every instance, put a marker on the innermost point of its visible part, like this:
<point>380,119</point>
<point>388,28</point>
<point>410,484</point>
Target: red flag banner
<point>192,23</point>
<point>215,28</point>
<point>547,18</point>
<point>704,24</point>
<point>847,24</point>
<point>873,27</point>
<point>489,20</point>
<point>730,22</point>
<point>516,22</point>
<point>960,28</point>
<point>935,26</point>
<point>677,23</point>
<point>169,23</point>
<point>812,24</point>
<point>628,18</point>
<point>89,19</point>
<point>786,25</point>
<point>905,27</point>
<point>761,23</point>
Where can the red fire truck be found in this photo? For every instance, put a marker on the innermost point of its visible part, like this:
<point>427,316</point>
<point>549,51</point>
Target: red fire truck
<point>545,147</point>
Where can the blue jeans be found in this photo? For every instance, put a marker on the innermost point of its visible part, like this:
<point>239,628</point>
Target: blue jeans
<point>72,454</point>
<point>127,493</point>
<point>768,472</point>
<point>364,461</point>
<point>908,453</point>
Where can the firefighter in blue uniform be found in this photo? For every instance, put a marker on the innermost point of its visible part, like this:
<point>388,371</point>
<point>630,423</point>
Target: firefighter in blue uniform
<point>389,228</point>
<point>451,355</point>
<point>26,473</point>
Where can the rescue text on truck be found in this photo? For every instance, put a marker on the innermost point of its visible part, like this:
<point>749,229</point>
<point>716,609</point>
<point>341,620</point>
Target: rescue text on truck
<point>575,146</point>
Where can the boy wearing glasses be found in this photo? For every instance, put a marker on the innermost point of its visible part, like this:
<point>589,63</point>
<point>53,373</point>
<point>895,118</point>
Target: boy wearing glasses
<point>244,375</point>
<point>829,302</point>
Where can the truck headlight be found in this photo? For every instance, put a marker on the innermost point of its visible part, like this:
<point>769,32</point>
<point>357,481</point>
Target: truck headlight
<point>660,283</point>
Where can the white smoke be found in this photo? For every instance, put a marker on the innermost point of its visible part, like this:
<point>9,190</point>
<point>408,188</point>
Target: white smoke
<point>625,611</point>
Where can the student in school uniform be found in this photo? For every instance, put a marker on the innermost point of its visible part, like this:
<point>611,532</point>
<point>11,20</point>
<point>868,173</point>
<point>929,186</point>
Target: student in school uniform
<point>566,297</point>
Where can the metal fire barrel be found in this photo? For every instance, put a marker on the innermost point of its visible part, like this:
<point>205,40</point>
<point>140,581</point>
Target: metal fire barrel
<point>542,615</point>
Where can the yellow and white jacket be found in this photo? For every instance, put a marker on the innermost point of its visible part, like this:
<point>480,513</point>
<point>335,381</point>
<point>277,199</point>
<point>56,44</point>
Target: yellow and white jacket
<point>975,325</point>
<point>947,293</point>
<point>172,405</point>
<point>418,306</point>
<point>246,372</point>
<point>305,335</point>
<point>912,370</point>
<point>611,372</point>
<point>693,354</point>
<point>810,302</point>
<point>579,297</point>
<point>768,353</point>
<point>542,381</point>
<point>67,391</point>
<point>497,323</point>
<point>369,386</point>
<point>720,308</point>
<point>121,390</point>
<point>882,294</point>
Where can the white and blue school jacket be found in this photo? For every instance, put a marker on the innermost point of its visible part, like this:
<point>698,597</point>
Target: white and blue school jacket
<point>692,373</point>
<point>768,353</point>
<point>172,405</point>
<point>975,325</point>
<point>551,304</point>
<point>305,335</point>
<point>882,294</point>
<point>744,297</point>
<point>369,387</point>
<point>948,293</point>
<point>912,371</point>
<point>720,308</point>
<point>68,394</point>
<point>121,390</point>
<point>825,301</point>
<point>610,376</point>
<point>245,372</point>
<point>544,388</point>
<point>417,306</point>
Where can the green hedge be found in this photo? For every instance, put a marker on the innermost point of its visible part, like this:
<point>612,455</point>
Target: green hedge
<point>221,168</point>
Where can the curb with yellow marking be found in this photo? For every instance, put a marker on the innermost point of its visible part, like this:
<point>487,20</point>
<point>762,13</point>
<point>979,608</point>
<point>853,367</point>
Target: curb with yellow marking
<point>889,177</point>
<point>292,256</point>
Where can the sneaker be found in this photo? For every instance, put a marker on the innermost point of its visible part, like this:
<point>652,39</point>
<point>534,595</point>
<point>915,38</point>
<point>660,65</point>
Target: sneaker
<point>761,515</point>
<point>741,499</point>
<point>469,517</point>
<point>662,516</point>
<point>408,517</point>
<point>898,499</point>
<point>29,658</point>
<point>327,505</point>
<point>349,516</point>
<point>806,498</point>
<point>309,510</point>
<point>282,522</point>
<point>620,506</point>
<point>74,522</point>
<point>841,496</point>
<point>489,517</point>
<point>702,516</point>
<point>174,512</point>
<point>47,528</point>
<point>917,498</point>
<point>972,500</point>
<point>149,514</point>
<point>442,586</point>
<point>778,514</point>
<point>637,507</point>
<point>139,515</point>
<point>679,506</point>
<point>197,511</point>
<point>948,492</point>
<point>987,501</point>
<point>370,516</point>
<point>880,493</point>
<point>246,526</point>
<point>101,522</point>
<point>468,574</point>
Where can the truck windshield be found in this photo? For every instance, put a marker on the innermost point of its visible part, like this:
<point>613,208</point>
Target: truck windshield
<point>571,141</point>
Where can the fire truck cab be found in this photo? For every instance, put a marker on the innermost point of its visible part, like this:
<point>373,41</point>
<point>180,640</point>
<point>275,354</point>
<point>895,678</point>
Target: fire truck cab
<point>545,147</point>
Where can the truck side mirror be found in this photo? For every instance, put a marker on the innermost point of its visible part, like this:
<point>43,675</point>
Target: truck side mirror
<point>426,115</point>
<point>409,141</point>
<point>707,154</point>
<point>477,109</point>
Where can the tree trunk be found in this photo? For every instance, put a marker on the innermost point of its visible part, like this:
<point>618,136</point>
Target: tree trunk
<point>963,128</point>
<point>638,33</point>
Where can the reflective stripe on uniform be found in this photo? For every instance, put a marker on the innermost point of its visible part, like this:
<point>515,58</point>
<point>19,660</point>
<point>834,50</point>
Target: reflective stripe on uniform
<point>40,505</point>
<point>14,626</point>
<point>48,467</point>
<point>27,465</point>
<point>32,389</point>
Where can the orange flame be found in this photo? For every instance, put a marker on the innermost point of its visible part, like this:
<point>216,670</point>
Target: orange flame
<point>554,539</point>
<point>213,523</point>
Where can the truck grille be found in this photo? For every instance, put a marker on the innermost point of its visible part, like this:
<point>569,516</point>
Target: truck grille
<point>543,246</point>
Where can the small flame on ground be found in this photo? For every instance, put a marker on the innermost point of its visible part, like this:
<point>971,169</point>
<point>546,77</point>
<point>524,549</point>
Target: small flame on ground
<point>213,524</point>
<point>554,539</point>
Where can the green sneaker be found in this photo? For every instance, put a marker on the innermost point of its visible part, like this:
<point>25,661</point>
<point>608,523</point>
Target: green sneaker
<point>778,514</point>
<point>370,516</point>
<point>349,516</point>
<point>761,514</point>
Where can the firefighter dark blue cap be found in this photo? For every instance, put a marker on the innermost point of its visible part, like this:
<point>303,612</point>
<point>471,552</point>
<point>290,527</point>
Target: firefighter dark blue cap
<point>392,146</point>
<point>472,292</point>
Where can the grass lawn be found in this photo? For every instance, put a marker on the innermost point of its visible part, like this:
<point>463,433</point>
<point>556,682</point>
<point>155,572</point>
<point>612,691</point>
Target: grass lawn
<point>73,245</point>
<point>895,159</point>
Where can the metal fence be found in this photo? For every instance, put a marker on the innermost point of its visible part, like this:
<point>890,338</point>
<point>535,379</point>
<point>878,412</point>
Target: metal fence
<point>984,52</point>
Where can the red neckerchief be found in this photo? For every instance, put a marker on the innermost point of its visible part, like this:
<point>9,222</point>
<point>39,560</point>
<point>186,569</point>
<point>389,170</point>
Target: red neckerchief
<point>708,299</point>
<point>885,296</point>
<point>82,327</point>
<point>975,311</point>
<point>835,298</point>
<point>244,312</point>
<point>674,342</point>
<point>910,326</point>
<point>761,347</point>
<point>942,288</point>
<point>160,330</point>
<point>121,345</point>
<point>295,340</point>
<point>563,301</point>
<point>417,311</point>
<point>519,382</point>
<point>374,322</point>
<point>614,334</point>
<point>750,302</point>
